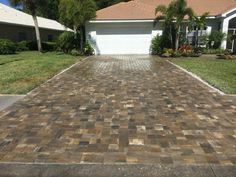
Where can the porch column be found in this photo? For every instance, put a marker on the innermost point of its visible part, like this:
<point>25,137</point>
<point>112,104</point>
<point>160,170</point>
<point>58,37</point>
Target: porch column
<point>224,29</point>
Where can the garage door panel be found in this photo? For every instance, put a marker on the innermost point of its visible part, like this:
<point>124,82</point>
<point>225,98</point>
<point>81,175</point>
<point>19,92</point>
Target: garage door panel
<point>123,40</point>
<point>123,44</point>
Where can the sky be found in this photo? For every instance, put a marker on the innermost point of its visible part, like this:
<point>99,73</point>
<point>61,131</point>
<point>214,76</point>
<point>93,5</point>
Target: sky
<point>4,2</point>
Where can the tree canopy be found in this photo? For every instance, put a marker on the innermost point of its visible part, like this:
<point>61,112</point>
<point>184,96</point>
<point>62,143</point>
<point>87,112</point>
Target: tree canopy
<point>47,9</point>
<point>199,23</point>
<point>174,15</point>
<point>32,7</point>
<point>50,8</point>
<point>75,13</point>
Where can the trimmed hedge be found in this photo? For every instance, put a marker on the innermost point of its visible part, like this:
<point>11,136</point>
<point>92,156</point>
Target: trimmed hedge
<point>7,47</point>
<point>47,46</point>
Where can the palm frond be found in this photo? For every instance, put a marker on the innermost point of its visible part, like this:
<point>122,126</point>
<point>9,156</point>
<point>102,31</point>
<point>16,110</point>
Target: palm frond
<point>161,8</point>
<point>157,19</point>
<point>204,16</point>
<point>189,12</point>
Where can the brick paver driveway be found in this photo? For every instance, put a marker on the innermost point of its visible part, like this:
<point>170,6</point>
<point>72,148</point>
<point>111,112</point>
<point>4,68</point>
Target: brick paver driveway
<point>121,109</point>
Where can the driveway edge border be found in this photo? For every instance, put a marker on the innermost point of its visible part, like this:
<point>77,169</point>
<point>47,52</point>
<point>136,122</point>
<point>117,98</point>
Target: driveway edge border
<point>201,80</point>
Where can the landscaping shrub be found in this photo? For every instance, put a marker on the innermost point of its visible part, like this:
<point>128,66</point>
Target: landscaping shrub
<point>32,45</point>
<point>215,39</point>
<point>88,50</point>
<point>22,46</point>
<point>186,50</point>
<point>49,46</point>
<point>216,51</point>
<point>168,53</point>
<point>198,50</point>
<point>165,41</point>
<point>204,40</point>
<point>156,46</point>
<point>75,52</point>
<point>7,47</point>
<point>67,41</point>
<point>177,54</point>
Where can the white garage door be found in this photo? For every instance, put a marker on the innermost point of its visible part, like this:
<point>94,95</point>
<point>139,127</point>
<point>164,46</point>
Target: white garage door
<point>123,40</point>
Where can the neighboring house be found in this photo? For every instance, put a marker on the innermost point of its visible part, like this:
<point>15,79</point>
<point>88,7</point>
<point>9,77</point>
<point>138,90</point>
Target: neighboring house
<point>127,27</point>
<point>19,26</point>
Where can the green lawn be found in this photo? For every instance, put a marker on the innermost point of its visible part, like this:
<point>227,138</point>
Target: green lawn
<point>219,73</point>
<point>20,73</point>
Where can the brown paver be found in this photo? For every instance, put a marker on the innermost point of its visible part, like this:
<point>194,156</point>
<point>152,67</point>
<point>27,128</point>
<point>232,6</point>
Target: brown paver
<point>121,109</point>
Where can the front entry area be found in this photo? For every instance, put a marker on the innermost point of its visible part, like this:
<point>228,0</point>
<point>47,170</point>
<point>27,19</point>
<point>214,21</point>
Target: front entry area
<point>231,38</point>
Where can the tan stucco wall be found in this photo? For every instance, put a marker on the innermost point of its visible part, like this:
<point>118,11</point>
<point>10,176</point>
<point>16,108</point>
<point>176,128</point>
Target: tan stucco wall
<point>12,32</point>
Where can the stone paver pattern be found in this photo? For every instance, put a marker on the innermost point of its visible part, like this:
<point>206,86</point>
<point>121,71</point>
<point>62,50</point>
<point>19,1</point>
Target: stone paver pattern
<point>121,109</point>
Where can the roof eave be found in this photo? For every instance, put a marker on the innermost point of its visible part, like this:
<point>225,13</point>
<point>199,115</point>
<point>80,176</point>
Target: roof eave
<point>30,26</point>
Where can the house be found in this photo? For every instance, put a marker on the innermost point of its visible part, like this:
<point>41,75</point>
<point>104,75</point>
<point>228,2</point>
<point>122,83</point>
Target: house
<point>19,26</point>
<point>127,27</point>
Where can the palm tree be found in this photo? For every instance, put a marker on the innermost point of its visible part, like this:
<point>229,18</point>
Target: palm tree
<point>175,14</point>
<point>75,13</point>
<point>166,14</point>
<point>199,23</point>
<point>31,6</point>
<point>181,13</point>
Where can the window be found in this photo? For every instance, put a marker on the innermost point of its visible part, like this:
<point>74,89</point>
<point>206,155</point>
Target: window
<point>50,38</point>
<point>22,36</point>
<point>195,28</point>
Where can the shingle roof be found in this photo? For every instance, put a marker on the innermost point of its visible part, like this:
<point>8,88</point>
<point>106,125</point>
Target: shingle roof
<point>145,9</point>
<point>12,16</point>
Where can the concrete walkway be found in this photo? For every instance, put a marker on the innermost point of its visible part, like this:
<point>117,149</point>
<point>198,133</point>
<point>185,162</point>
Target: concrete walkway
<point>7,100</point>
<point>122,110</point>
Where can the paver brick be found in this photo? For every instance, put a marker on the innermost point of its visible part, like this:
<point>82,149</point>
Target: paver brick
<point>121,109</point>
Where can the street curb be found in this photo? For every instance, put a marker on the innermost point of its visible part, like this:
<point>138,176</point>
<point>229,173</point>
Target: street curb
<point>115,170</point>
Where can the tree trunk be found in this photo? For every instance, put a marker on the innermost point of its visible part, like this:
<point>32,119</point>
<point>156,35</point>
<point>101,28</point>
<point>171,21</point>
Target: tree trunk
<point>171,38</point>
<point>177,38</point>
<point>75,30</point>
<point>196,38</point>
<point>201,33</point>
<point>81,39</point>
<point>38,38</point>
<point>77,45</point>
